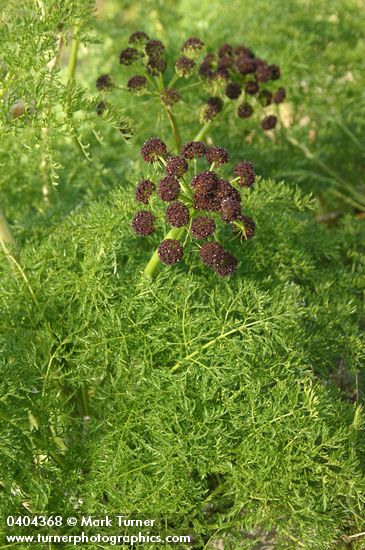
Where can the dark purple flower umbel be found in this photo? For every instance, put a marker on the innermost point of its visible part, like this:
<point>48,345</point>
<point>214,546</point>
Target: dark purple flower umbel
<point>104,82</point>
<point>269,122</point>
<point>225,50</point>
<point>169,189</point>
<point>193,149</point>
<point>206,68</point>
<point>245,65</point>
<point>252,87</point>
<point>153,149</point>
<point>230,210</point>
<point>225,62</point>
<point>144,190</point>
<point>177,214</point>
<point>245,110</point>
<point>170,251</point>
<point>279,95</point>
<point>192,46</point>
<point>208,201</point>
<point>215,103</point>
<point>192,201</point>
<point>205,182</point>
<point>213,106</point>
<point>156,65</point>
<point>221,73</point>
<point>228,265</point>
<point>142,223</point>
<point>218,155</point>
<point>242,50</point>
<point>263,73</point>
<point>245,171</point>
<point>227,191</point>
<point>128,56</point>
<point>138,38</point>
<point>154,48</point>
<point>202,227</point>
<point>184,66</point>
<point>275,72</point>
<point>137,84</point>
<point>212,254</point>
<point>233,90</point>
<point>176,166</point>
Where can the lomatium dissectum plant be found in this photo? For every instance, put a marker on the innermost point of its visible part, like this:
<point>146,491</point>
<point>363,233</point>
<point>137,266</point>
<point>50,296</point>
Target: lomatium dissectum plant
<point>191,193</point>
<point>231,79</point>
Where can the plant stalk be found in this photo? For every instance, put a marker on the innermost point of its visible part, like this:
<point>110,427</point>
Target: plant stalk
<point>203,130</point>
<point>174,233</point>
<point>70,77</point>
<point>85,399</point>
<point>73,57</point>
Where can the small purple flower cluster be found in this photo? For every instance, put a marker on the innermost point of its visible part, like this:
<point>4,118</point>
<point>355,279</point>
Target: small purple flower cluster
<point>238,74</point>
<point>195,201</point>
<point>104,82</point>
<point>149,55</point>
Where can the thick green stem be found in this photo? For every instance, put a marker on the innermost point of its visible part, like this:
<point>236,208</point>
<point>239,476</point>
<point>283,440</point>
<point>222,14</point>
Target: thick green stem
<point>70,77</point>
<point>73,57</point>
<point>85,399</point>
<point>203,130</point>
<point>174,233</point>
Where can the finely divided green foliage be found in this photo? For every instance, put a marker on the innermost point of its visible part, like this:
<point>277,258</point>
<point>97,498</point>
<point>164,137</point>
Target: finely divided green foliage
<point>32,38</point>
<point>41,102</point>
<point>211,404</point>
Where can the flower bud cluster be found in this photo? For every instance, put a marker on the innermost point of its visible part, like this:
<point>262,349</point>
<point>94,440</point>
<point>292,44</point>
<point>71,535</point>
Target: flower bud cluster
<point>149,56</point>
<point>237,74</point>
<point>197,201</point>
